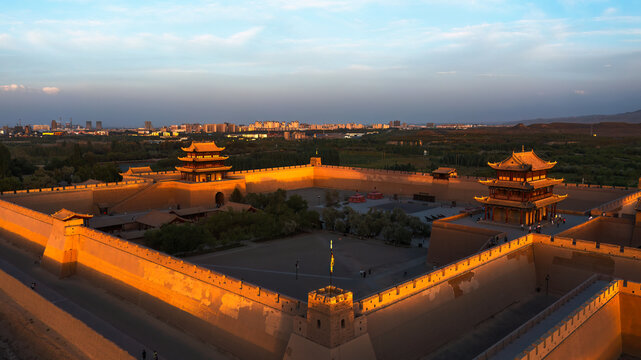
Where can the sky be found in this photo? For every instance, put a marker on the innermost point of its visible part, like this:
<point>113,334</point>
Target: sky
<point>317,61</point>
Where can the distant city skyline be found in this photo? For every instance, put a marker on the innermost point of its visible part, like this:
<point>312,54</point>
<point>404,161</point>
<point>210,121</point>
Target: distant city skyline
<point>318,61</point>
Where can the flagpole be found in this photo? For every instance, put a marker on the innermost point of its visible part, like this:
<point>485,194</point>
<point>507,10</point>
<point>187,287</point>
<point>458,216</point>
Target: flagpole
<point>331,266</point>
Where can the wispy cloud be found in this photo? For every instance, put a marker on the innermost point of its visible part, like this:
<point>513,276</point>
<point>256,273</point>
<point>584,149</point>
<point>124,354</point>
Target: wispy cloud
<point>580,92</point>
<point>50,90</point>
<point>12,87</point>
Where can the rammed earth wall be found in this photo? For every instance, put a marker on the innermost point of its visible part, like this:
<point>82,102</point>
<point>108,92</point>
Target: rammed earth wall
<point>249,321</point>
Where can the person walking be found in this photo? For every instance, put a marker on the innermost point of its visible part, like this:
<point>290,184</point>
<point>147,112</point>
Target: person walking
<point>144,354</point>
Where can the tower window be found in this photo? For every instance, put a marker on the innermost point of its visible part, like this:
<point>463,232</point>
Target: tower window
<point>343,323</point>
<point>318,324</point>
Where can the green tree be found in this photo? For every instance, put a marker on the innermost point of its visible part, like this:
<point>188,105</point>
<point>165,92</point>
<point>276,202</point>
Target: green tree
<point>236,196</point>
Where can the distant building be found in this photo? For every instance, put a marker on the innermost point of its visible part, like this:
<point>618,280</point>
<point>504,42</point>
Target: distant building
<point>88,125</point>
<point>40,127</point>
<point>98,125</point>
<point>54,124</point>
<point>148,126</point>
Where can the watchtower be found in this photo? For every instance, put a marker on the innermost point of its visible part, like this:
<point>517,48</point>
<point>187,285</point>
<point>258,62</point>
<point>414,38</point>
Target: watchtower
<point>316,161</point>
<point>330,316</point>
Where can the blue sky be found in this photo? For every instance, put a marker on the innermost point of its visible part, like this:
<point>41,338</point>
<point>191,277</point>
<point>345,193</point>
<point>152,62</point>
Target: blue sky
<point>317,61</point>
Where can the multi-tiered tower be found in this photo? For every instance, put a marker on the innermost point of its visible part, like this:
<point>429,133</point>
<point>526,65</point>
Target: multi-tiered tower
<point>203,162</point>
<point>521,193</point>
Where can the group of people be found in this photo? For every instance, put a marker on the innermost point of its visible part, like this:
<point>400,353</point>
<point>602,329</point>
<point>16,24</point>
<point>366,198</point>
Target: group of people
<point>144,354</point>
<point>365,273</point>
<point>537,228</point>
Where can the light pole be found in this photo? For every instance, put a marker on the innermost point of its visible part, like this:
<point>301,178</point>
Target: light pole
<point>547,284</point>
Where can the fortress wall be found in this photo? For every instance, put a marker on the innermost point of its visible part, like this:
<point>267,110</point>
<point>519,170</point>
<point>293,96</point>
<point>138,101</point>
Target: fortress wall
<point>30,227</point>
<point>617,231</point>
<point>630,298</point>
<point>450,242</point>
<point>272,179</point>
<point>74,331</point>
<point>79,198</point>
<point>616,204</point>
<point>456,303</point>
<point>583,198</point>
<point>49,202</point>
<point>252,321</point>
<point>570,262</point>
<point>572,338</point>
<point>396,182</point>
<point>204,194</point>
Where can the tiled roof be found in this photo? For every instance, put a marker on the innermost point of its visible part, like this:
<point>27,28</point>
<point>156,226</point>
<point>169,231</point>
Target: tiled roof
<point>203,147</point>
<point>526,160</point>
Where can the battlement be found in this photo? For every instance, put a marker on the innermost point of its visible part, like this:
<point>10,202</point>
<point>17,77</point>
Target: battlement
<point>451,271</point>
<point>73,187</point>
<point>330,298</point>
<point>566,327</point>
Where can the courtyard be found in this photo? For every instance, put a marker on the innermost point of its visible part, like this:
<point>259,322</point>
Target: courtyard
<point>272,264</point>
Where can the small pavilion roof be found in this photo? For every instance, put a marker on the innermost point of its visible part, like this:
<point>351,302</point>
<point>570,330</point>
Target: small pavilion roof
<point>444,170</point>
<point>64,215</point>
<point>157,218</point>
<point>522,161</point>
<point>209,146</point>
<point>137,170</point>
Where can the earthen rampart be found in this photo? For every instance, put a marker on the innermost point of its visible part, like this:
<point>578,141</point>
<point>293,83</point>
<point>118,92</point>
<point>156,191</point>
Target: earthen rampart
<point>72,187</point>
<point>527,326</point>
<point>244,310</point>
<point>272,179</point>
<point>448,272</point>
<point>450,241</point>
<point>85,339</point>
<point>24,223</point>
<point>448,297</point>
<point>556,343</point>
<point>616,204</point>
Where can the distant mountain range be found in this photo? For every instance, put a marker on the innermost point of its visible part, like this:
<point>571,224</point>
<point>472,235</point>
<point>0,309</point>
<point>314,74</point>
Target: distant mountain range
<point>628,117</point>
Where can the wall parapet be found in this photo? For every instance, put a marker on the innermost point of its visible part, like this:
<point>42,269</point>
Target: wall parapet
<point>518,332</point>
<point>73,187</point>
<point>562,330</point>
<point>616,203</point>
<point>244,289</point>
<point>47,219</point>
<point>240,172</point>
<point>591,246</point>
<point>417,285</point>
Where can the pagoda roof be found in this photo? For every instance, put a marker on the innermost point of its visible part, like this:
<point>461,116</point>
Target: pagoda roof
<point>523,161</point>
<point>203,158</point>
<point>64,215</point>
<point>527,185</point>
<point>521,205</point>
<point>200,170</point>
<point>209,146</point>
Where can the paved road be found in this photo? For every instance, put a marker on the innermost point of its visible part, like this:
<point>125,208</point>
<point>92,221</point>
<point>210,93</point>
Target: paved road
<point>129,326</point>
